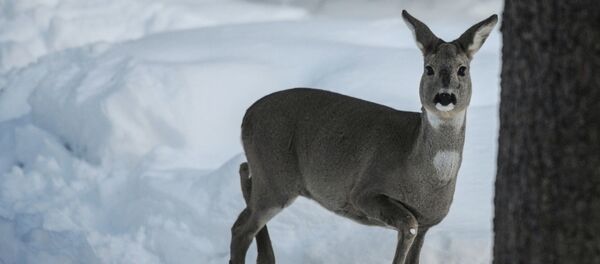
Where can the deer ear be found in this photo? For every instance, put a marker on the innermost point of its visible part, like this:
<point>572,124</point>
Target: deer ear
<point>426,40</point>
<point>474,37</point>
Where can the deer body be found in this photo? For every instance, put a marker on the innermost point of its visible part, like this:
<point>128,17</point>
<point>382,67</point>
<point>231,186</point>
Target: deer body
<point>365,161</point>
<point>341,145</point>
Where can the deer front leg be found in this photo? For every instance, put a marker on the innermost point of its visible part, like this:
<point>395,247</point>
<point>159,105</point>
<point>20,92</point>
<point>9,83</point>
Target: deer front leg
<point>391,213</point>
<point>415,249</point>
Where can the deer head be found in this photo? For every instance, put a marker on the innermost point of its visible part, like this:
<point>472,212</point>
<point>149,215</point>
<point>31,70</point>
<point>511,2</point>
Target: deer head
<point>445,88</point>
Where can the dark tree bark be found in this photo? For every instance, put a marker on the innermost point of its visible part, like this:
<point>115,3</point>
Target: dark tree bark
<point>547,202</point>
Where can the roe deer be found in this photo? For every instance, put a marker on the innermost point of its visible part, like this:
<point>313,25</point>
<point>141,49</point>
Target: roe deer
<point>365,161</point>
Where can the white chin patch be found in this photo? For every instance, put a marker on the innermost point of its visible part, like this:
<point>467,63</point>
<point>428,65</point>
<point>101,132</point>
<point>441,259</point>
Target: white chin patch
<point>446,108</point>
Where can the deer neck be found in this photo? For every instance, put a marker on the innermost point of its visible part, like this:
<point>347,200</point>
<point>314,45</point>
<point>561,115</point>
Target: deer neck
<point>441,139</point>
<point>448,126</point>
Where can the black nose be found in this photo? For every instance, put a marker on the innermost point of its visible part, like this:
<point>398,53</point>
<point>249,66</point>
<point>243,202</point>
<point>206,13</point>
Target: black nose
<point>444,99</point>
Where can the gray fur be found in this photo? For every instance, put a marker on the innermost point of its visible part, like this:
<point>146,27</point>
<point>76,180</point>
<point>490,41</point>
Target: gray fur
<point>365,161</point>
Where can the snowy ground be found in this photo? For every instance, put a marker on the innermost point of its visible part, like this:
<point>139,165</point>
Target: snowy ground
<point>119,126</point>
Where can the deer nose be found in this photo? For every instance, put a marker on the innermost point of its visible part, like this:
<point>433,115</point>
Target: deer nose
<point>444,99</point>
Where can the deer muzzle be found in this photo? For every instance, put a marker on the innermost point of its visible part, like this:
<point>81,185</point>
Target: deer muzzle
<point>444,99</point>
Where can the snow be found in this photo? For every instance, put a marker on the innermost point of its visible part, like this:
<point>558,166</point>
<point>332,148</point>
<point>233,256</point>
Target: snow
<point>33,28</point>
<point>119,128</point>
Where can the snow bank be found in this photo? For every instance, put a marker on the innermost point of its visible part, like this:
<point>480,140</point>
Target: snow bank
<point>128,152</point>
<point>429,10</point>
<point>30,29</point>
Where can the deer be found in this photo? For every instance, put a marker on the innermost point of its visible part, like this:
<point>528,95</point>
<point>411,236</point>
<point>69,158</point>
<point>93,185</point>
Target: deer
<point>364,161</point>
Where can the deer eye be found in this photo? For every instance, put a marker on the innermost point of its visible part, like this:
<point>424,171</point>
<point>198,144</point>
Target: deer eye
<point>429,70</point>
<point>461,70</point>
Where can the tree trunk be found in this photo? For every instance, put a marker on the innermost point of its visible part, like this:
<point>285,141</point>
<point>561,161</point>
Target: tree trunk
<point>547,203</point>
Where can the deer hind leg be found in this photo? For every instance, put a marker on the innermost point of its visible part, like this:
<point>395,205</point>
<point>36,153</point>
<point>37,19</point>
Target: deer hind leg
<point>263,241</point>
<point>249,223</point>
<point>263,204</point>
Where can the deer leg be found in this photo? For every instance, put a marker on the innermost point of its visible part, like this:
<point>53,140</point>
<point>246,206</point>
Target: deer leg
<point>263,241</point>
<point>405,241</point>
<point>392,214</point>
<point>415,249</point>
<point>235,236</point>
<point>264,202</point>
<point>249,223</point>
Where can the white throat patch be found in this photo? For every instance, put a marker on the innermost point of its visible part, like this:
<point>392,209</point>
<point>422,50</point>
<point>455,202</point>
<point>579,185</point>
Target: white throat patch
<point>446,164</point>
<point>456,122</point>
